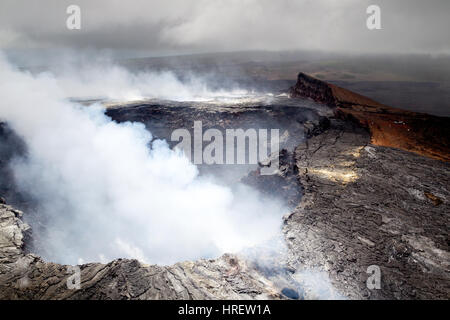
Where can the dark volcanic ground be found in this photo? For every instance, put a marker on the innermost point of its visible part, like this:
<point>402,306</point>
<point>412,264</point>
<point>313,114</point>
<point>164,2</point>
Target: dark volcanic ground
<point>354,205</point>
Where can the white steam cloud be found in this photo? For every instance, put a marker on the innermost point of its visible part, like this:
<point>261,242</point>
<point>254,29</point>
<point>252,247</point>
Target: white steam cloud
<point>105,192</point>
<point>103,79</point>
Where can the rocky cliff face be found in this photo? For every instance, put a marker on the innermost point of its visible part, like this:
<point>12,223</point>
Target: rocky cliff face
<point>356,202</point>
<point>27,276</point>
<point>370,205</point>
<point>420,133</point>
<point>317,90</point>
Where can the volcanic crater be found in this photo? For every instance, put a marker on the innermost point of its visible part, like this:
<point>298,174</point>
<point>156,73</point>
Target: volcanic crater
<point>366,185</point>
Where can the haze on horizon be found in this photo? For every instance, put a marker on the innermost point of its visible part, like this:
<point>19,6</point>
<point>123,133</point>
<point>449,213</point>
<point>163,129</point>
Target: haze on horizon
<point>141,28</point>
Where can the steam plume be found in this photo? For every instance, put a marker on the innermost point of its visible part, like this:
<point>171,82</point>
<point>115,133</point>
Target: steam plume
<point>104,191</point>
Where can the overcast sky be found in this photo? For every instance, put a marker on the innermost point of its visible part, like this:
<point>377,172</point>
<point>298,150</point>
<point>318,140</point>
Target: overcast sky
<point>184,26</point>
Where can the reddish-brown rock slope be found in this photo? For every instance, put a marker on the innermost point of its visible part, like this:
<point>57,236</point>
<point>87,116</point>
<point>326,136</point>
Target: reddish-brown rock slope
<point>420,133</point>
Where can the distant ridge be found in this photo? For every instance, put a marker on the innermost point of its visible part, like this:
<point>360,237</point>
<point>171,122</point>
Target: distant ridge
<point>420,133</point>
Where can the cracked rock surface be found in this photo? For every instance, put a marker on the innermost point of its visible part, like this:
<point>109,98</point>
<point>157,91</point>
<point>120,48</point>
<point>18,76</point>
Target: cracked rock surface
<point>26,276</point>
<point>366,205</point>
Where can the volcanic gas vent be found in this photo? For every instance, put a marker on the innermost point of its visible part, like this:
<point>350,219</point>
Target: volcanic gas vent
<point>115,184</point>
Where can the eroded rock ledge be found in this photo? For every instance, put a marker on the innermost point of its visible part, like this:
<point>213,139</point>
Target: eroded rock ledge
<point>420,133</point>
<point>369,205</point>
<point>26,276</point>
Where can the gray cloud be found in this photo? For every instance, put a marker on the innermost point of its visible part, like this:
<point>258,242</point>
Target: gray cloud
<point>160,27</point>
